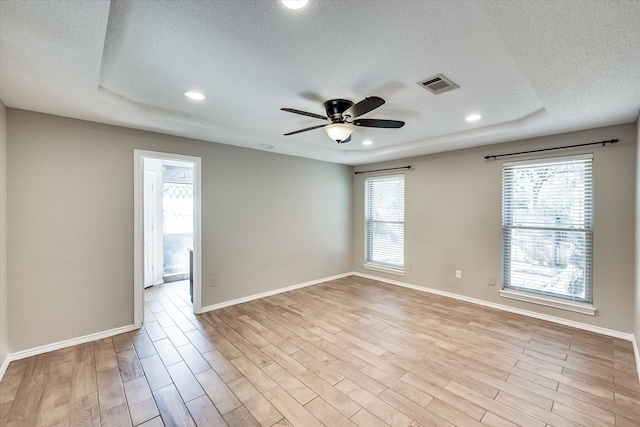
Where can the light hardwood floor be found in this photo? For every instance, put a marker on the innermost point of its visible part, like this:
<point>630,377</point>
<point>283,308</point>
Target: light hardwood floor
<point>350,352</point>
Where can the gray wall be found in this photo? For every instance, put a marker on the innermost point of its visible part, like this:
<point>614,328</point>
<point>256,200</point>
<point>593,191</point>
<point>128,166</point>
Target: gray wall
<point>71,219</point>
<point>4,317</point>
<point>453,221</point>
<point>268,221</point>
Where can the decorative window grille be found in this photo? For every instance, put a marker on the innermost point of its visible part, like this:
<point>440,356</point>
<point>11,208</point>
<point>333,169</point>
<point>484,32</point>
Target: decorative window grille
<point>177,207</point>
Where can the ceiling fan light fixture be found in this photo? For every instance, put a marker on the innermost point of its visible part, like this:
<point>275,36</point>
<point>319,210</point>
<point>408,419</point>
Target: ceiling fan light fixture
<point>339,131</point>
<point>295,4</point>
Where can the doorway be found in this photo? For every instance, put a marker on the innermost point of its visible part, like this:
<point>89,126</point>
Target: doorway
<point>167,225</point>
<point>150,227</point>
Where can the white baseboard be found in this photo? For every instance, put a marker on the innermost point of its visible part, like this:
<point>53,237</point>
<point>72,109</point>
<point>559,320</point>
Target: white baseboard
<point>273,292</point>
<point>636,351</point>
<point>535,315</point>
<point>4,366</point>
<point>62,344</point>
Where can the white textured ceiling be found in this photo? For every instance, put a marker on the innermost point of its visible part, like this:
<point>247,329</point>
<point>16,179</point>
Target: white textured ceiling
<point>531,68</point>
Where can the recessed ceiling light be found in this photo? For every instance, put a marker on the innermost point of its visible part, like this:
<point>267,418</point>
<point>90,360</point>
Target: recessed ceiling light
<point>473,117</point>
<point>367,142</point>
<point>295,4</point>
<point>195,95</point>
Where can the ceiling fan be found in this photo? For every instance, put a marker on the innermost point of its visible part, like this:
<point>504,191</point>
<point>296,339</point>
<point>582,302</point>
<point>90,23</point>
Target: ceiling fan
<point>343,115</point>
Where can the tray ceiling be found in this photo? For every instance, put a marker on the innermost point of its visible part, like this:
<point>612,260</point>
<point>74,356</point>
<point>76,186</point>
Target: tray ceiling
<point>530,68</point>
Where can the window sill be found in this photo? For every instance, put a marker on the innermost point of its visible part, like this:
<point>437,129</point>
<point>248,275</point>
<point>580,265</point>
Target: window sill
<point>577,307</point>
<point>384,269</point>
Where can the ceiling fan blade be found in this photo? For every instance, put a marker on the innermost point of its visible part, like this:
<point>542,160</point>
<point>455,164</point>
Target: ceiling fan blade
<point>305,113</point>
<point>364,106</point>
<point>304,130</point>
<point>377,123</point>
<point>346,140</point>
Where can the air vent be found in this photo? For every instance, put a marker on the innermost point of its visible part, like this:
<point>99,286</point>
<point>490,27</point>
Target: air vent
<point>438,84</point>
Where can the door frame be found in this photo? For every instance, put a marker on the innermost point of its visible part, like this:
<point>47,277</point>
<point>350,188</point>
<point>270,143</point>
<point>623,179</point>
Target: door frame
<point>138,228</point>
<point>149,229</point>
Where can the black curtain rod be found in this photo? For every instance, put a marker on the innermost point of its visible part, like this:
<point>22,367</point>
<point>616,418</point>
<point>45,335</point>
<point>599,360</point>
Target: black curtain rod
<point>611,141</point>
<point>380,170</point>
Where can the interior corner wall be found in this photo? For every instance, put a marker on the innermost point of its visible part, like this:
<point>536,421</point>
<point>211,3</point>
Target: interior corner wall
<point>268,221</point>
<point>453,221</point>
<point>637,259</point>
<point>4,316</point>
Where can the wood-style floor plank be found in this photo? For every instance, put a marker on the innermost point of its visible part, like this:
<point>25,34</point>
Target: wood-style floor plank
<point>327,414</point>
<point>142,406</point>
<point>142,343</point>
<point>219,393</point>
<point>295,413</point>
<point>373,404</point>
<point>204,412</point>
<point>129,364</point>
<point>290,383</point>
<point>105,355</point>
<point>187,385</point>
<point>110,391</point>
<point>173,411</point>
<point>84,411</point>
<point>255,402</point>
<point>118,416</point>
<point>348,352</point>
<point>423,416</point>
<point>240,417</point>
<point>193,358</point>
<point>30,390</point>
<point>155,372</point>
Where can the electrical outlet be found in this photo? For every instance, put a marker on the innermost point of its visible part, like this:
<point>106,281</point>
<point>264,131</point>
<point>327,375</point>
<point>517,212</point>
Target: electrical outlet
<point>492,280</point>
<point>212,281</point>
<point>458,274</point>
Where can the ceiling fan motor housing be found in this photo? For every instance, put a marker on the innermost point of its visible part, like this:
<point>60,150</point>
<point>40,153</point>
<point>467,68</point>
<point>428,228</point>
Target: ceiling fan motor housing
<point>335,108</point>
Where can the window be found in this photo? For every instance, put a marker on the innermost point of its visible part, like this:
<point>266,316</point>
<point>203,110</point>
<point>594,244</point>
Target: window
<point>384,223</point>
<point>547,227</point>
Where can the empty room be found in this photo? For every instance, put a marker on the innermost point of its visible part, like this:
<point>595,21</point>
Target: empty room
<point>319,213</point>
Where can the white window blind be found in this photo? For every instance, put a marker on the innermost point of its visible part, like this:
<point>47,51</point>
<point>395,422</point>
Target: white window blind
<point>547,227</point>
<point>384,220</point>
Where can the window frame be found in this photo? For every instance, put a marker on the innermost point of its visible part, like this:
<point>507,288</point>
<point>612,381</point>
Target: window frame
<point>372,264</point>
<point>547,298</point>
